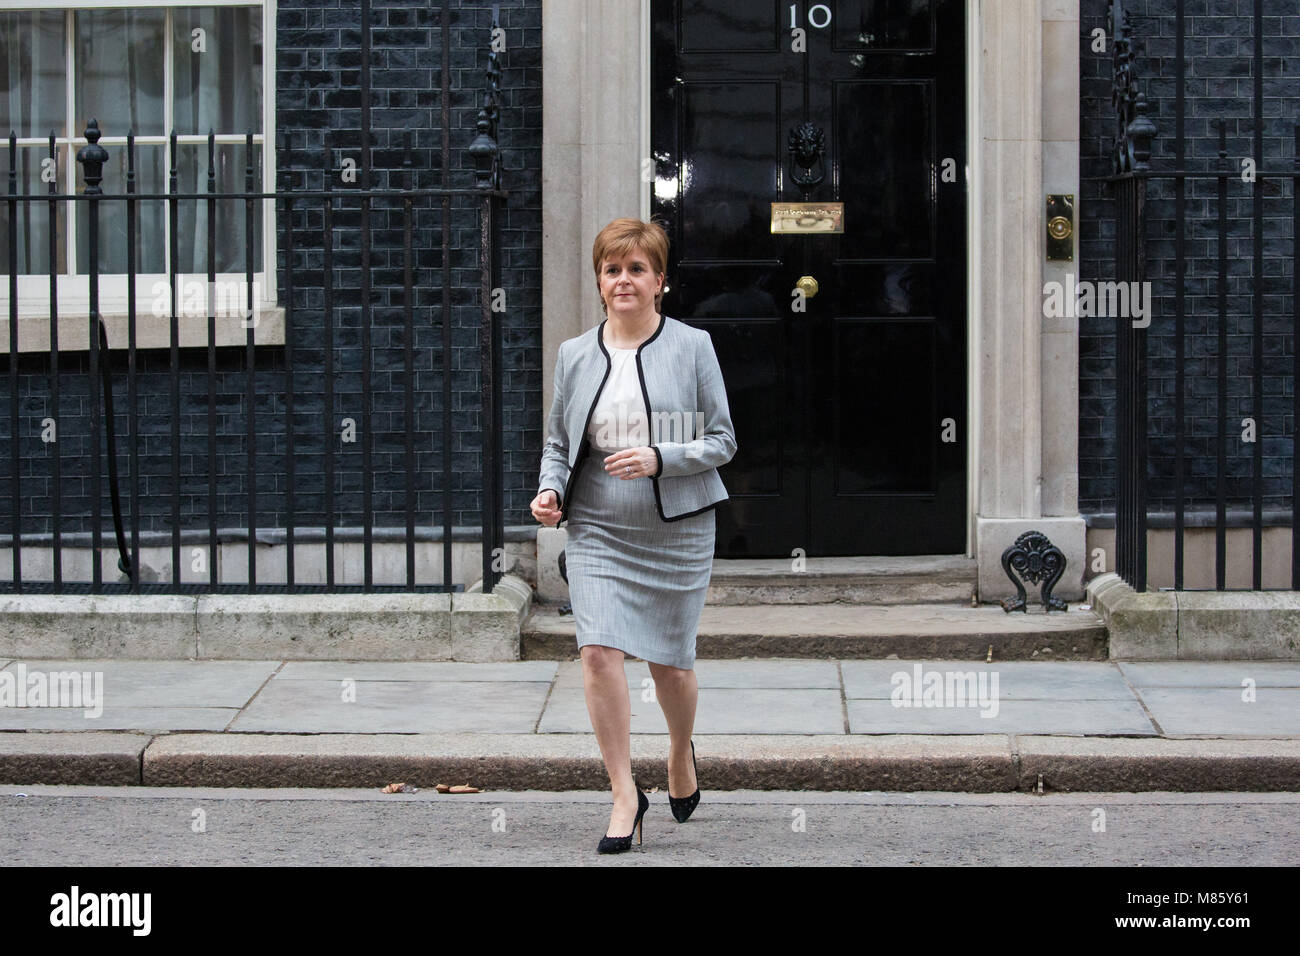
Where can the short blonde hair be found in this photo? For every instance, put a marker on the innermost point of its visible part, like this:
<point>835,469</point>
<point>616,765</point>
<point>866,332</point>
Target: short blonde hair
<point>624,236</point>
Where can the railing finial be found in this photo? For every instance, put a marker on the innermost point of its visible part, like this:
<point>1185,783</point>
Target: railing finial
<point>484,148</point>
<point>1134,131</point>
<point>92,157</point>
<point>1140,132</point>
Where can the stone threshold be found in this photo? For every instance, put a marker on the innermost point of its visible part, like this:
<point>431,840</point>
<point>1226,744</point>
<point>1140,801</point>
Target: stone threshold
<point>848,631</point>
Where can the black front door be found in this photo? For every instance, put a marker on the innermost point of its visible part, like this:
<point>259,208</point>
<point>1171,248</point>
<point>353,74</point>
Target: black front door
<point>849,404</point>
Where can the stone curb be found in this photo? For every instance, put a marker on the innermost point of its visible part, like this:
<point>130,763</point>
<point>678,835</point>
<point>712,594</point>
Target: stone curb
<point>469,626</point>
<point>965,764</point>
<point>572,761</point>
<point>1126,763</point>
<point>1196,625</point>
<point>84,759</point>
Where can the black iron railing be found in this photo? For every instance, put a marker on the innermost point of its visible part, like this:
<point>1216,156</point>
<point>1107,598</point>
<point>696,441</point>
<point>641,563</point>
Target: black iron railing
<point>263,369</point>
<point>1130,179</point>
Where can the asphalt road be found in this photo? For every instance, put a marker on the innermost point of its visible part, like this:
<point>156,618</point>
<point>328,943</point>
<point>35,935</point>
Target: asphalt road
<point>88,826</point>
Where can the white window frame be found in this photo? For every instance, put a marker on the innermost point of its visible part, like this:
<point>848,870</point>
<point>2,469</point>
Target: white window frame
<point>74,290</point>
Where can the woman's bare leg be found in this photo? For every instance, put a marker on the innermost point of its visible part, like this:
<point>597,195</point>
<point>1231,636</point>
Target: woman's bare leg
<point>678,693</point>
<point>605,683</point>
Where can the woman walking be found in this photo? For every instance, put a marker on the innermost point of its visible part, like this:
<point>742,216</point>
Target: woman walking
<point>637,430</point>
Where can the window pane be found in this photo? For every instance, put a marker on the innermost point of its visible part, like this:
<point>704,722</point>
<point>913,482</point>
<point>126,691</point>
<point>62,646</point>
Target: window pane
<point>217,71</point>
<point>150,177</point>
<point>120,71</point>
<point>192,164</point>
<point>33,219</point>
<point>33,78</point>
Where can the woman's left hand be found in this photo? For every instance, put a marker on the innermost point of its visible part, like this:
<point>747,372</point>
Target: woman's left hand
<point>639,462</point>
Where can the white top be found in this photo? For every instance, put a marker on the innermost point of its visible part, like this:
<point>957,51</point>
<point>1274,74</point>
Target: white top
<point>620,419</point>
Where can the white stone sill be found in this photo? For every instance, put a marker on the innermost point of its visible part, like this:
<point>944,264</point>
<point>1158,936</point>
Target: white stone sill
<point>151,331</point>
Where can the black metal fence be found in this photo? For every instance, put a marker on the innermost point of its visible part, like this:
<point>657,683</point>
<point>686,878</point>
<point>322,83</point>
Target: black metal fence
<point>1132,177</point>
<point>112,369</point>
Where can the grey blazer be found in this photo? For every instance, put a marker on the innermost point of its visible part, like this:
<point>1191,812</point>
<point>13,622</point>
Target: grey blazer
<point>690,423</point>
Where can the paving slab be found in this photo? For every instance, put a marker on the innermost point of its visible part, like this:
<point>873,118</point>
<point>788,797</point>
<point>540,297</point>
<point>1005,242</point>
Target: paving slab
<point>722,710</point>
<point>166,684</point>
<point>148,720</point>
<point>778,673</point>
<point>1088,717</point>
<point>1210,673</point>
<point>380,707</point>
<point>1017,680</point>
<point>781,673</point>
<point>418,671</point>
<point>1275,711</point>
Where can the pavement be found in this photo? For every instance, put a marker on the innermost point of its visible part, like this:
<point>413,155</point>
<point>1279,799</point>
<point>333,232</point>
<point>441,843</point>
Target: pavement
<point>764,724</point>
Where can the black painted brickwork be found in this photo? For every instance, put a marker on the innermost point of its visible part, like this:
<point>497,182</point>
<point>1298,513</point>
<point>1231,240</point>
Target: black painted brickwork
<point>1219,50</point>
<point>318,89</point>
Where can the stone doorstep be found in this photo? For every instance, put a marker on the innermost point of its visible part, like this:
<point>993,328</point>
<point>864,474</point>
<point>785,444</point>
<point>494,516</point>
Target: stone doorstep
<point>471,626</point>
<point>860,579</point>
<point>910,579</point>
<point>1196,625</point>
<point>976,764</point>
<point>826,589</point>
<point>926,631</point>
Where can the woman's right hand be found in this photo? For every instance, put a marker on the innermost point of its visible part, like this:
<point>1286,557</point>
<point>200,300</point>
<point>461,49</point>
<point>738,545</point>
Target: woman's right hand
<point>545,508</point>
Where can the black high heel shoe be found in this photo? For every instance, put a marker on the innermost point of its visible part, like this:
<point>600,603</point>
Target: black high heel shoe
<point>609,844</point>
<point>683,807</point>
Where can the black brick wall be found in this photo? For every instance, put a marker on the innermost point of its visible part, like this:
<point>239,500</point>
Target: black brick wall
<point>318,89</point>
<point>1219,50</point>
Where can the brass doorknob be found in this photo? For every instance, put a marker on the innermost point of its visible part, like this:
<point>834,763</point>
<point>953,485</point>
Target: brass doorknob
<point>808,285</point>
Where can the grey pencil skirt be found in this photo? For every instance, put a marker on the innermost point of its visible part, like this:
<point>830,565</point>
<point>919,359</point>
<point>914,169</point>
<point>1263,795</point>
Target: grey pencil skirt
<point>636,582</point>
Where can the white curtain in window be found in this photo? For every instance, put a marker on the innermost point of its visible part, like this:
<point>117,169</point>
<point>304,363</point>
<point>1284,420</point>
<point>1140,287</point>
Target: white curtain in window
<point>32,86</point>
<point>119,70</point>
<point>118,78</point>
<point>34,75</point>
<point>217,86</point>
<point>119,83</point>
